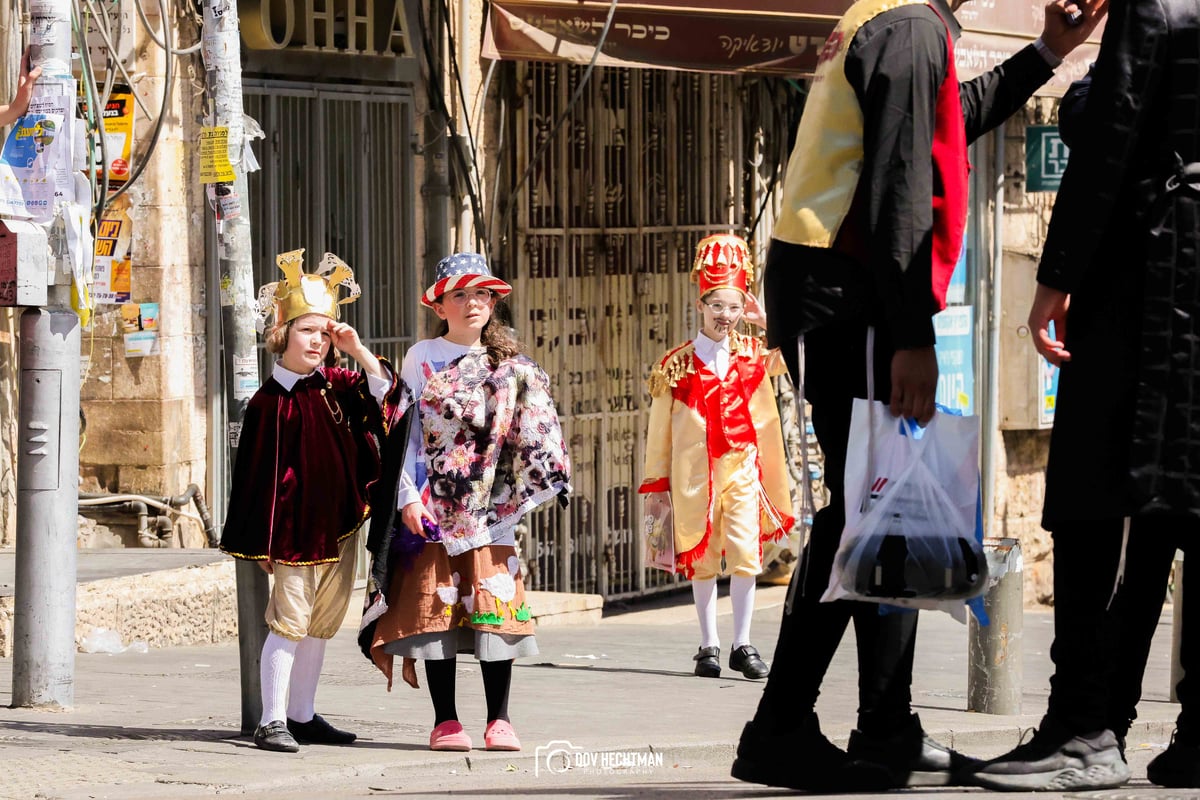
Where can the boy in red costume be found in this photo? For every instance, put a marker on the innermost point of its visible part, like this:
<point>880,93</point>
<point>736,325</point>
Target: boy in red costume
<point>714,450</point>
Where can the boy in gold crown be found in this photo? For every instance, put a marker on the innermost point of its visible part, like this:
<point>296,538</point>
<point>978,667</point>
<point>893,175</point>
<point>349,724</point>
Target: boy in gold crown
<point>307,458</point>
<point>714,450</point>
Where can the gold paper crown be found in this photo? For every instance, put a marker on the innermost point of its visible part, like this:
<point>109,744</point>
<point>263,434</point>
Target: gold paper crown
<point>723,262</point>
<point>301,293</point>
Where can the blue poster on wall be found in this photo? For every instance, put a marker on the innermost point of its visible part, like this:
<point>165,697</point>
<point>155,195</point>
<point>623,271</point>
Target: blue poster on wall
<point>955,328</point>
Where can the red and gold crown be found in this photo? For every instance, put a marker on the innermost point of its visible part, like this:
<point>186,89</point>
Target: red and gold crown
<point>723,262</point>
<point>301,293</point>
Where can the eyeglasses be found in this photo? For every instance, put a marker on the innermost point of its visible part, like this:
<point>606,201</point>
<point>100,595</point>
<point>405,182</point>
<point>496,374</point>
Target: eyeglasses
<point>721,308</point>
<point>461,296</point>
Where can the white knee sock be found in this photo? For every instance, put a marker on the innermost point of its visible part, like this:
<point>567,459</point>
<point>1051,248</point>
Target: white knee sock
<point>275,671</point>
<point>741,592</point>
<point>705,594</point>
<point>310,655</point>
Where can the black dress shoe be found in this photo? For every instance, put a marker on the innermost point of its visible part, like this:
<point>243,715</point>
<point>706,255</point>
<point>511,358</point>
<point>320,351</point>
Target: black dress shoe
<point>745,659</point>
<point>802,759</point>
<point>274,736</point>
<point>708,662</point>
<point>318,731</point>
<point>912,758</point>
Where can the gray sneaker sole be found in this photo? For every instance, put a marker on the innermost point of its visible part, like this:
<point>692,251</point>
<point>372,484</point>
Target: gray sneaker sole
<point>1097,776</point>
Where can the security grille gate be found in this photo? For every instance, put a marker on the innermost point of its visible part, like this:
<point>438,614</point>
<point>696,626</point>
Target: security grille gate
<point>648,163</point>
<point>337,176</point>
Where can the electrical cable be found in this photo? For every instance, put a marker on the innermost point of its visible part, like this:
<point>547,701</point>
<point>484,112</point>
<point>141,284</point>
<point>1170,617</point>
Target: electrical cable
<point>99,199</point>
<point>104,36</point>
<point>462,97</point>
<point>438,98</point>
<point>512,202</point>
<point>158,123</point>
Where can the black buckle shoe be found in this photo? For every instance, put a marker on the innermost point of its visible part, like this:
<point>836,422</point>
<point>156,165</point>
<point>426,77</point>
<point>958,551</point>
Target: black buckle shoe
<point>802,759</point>
<point>1055,760</point>
<point>318,731</point>
<point>1177,767</point>
<point>708,662</point>
<point>912,758</point>
<point>274,736</point>
<point>745,659</point>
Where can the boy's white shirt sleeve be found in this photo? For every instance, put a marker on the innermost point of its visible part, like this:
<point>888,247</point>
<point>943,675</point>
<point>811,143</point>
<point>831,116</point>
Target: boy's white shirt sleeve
<point>410,373</point>
<point>378,387</point>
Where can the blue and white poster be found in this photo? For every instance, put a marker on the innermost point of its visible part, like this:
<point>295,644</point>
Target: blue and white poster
<point>955,328</point>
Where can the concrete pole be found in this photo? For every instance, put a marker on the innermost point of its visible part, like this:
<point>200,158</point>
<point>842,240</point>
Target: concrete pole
<point>1177,627</point>
<point>994,671</point>
<point>222,50</point>
<point>48,445</point>
<point>47,504</point>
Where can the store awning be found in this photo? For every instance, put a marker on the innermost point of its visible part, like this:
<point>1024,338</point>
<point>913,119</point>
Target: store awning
<point>734,35</point>
<point>727,36</point>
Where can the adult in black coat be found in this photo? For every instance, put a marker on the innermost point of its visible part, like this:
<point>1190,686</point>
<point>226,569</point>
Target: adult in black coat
<point>1120,281</point>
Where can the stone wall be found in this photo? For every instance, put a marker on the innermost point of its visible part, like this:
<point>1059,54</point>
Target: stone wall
<point>147,417</point>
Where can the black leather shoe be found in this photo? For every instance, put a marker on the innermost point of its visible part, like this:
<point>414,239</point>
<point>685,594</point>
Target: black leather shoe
<point>274,736</point>
<point>318,731</point>
<point>708,662</point>
<point>912,758</point>
<point>745,659</point>
<point>1177,767</point>
<point>802,759</point>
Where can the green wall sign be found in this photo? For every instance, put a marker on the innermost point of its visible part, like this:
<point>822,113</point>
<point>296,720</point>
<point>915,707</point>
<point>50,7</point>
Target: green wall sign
<point>1045,158</point>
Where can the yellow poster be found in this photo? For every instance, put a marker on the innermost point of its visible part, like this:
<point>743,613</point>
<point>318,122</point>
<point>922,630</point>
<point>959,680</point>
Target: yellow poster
<point>118,135</point>
<point>214,156</point>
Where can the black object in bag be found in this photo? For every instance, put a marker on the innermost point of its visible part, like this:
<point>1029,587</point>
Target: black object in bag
<point>886,569</point>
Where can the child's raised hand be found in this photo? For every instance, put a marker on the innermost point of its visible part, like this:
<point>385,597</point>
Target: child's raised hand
<point>344,338</point>
<point>755,314</point>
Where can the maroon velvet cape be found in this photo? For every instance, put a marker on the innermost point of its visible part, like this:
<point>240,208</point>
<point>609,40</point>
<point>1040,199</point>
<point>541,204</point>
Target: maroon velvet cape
<point>305,463</point>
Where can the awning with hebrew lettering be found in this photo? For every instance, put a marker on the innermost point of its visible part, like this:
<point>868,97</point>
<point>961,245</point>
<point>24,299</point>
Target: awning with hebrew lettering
<point>738,35</point>
<point>729,36</point>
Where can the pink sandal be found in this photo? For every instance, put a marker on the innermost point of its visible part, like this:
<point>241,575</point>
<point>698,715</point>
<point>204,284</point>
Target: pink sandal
<point>450,736</point>
<point>500,735</point>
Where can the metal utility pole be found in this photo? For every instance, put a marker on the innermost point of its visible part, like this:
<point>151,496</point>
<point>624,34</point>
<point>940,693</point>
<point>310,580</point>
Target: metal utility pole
<point>994,671</point>
<point>221,47</point>
<point>48,443</point>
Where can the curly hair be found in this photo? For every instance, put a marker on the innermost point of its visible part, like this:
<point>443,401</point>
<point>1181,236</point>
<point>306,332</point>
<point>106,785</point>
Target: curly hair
<point>276,341</point>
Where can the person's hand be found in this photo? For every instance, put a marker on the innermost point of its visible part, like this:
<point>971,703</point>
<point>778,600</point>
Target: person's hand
<point>20,102</point>
<point>754,313</point>
<point>1050,305</point>
<point>914,384</point>
<point>408,672</point>
<point>411,515</point>
<point>265,566</point>
<point>344,338</point>
<point>1060,35</point>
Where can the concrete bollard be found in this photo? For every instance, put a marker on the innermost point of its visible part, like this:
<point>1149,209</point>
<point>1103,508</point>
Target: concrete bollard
<point>994,671</point>
<point>1177,626</point>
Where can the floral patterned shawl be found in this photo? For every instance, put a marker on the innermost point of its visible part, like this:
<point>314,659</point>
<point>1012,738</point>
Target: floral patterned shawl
<point>493,447</point>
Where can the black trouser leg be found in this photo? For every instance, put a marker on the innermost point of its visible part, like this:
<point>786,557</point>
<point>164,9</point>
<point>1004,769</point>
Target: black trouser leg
<point>810,632</point>
<point>440,677</point>
<point>497,678</point>
<point>1139,605</point>
<point>1086,555</point>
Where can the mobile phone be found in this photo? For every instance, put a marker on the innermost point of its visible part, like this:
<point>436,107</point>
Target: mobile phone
<point>1075,17</point>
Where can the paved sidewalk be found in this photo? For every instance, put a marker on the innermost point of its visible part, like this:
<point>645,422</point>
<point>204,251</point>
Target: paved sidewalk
<point>165,723</point>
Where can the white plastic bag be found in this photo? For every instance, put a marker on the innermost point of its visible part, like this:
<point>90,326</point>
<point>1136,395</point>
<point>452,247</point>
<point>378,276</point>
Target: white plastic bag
<point>912,500</point>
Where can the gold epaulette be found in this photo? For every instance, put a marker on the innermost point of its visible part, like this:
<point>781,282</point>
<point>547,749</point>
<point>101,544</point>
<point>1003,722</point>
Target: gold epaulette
<point>671,369</point>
